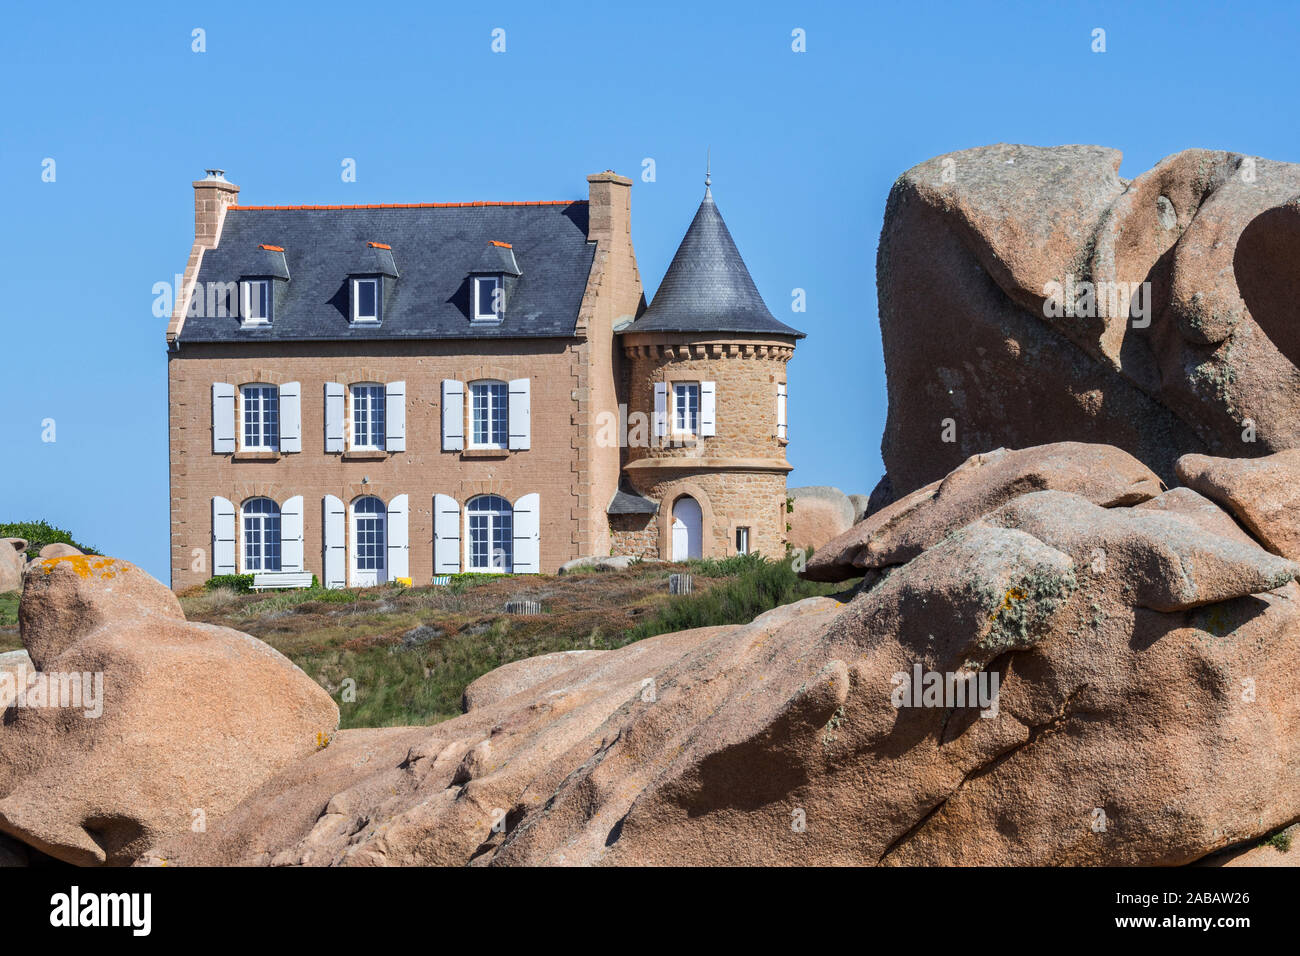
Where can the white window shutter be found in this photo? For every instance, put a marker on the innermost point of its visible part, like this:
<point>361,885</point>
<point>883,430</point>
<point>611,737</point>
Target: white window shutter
<point>661,409</point>
<point>333,417</point>
<point>521,414</point>
<point>453,415</point>
<point>395,419</point>
<point>290,417</point>
<point>399,541</point>
<point>708,408</point>
<point>446,535</point>
<point>528,535</point>
<point>223,418</point>
<point>223,536</point>
<point>334,558</point>
<point>291,535</point>
<point>780,410</point>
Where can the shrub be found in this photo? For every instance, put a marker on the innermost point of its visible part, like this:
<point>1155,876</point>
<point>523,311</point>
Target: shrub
<point>1280,841</point>
<point>39,534</point>
<point>730,567</point>
<point>243,583</point>
<point>756,585</point>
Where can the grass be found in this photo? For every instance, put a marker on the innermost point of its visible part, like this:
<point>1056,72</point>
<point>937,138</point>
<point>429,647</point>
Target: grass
<point>405,655</point>
<point>9,622</point>
<point>1280,841</point>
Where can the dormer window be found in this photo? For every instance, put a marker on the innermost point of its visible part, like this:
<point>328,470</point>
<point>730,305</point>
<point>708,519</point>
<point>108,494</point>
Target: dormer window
<point>367,275</point>
<point>489,298</point>
<point>256,302</point>
<point>263,277</point>
<point>365,300</point>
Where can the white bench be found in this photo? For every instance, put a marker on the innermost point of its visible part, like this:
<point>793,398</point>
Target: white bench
<point>264,580</point>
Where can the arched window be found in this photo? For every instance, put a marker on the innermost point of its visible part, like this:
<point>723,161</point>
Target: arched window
<point>491,534</point>
<point>261,519</point>
<point>369,542</point>
<point>489,414</point>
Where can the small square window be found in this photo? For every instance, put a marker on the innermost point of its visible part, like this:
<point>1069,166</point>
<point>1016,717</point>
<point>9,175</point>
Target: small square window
<point>365,300</point>
<point>489,298</point>
<point>742,541</point>
<point>257,302</point>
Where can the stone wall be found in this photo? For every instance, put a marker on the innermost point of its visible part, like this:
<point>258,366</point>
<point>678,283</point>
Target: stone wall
<point>738,474</point>
<point>548,467</point>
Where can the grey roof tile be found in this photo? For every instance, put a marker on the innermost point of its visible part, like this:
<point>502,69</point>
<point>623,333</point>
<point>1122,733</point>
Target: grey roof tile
<point>707,287</point>
<point>437,246</point>
<point>497,258</point>
<point>631,503</point>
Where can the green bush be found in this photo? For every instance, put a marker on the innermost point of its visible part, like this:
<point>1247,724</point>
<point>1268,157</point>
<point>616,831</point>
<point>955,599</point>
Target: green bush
<point>731,567</point>
<point>39,534</point>
<point>756,585</point>
<point>243,583</point>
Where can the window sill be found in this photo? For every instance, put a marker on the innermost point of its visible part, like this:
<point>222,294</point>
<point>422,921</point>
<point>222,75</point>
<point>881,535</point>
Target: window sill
<point>485,453</point>
<point>783,441</point>
<point>365,454</point>
<point>256,456</point>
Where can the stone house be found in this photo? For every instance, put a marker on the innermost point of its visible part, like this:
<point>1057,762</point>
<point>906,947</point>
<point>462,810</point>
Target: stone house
<point>394,392</point>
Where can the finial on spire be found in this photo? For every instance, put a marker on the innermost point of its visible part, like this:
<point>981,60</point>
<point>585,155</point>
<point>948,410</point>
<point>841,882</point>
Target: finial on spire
<point>708,167</point>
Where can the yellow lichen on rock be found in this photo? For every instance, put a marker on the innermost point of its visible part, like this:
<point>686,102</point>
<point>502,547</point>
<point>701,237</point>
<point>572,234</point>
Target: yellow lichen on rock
<point>84,565</point>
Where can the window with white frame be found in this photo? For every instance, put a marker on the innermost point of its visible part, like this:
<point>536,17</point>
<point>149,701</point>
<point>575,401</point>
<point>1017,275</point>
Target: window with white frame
<point>490,526</point>
<point>742,541</point>
<point>686,407</point>
<point>260,410</point>
<point>261,520</point>
<point>256,305</point>
<point>365,300</point>
<point>489,298</point>
<point>368,417</point>
<point>489,414</point>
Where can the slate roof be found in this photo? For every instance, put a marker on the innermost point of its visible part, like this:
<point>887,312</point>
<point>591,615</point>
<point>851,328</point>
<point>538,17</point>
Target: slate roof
<point>707,287</point>
<point>497,257</point>
<point>434,248</point>
<point>630,503</point>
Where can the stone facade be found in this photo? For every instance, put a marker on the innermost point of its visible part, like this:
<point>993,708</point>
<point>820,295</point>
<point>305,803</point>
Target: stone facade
<point>737,475</point>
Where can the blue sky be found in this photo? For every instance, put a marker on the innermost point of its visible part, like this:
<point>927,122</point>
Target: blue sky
<point>805,147</point>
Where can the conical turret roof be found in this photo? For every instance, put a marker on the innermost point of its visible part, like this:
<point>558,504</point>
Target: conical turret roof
<point>707,287</point>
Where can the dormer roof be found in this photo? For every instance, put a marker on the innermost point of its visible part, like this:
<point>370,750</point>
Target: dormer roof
<point>497,257</point>
<point>374,259</point>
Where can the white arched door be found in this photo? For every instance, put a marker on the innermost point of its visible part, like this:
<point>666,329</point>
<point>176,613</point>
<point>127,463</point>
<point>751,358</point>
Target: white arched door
<point>688,528</point>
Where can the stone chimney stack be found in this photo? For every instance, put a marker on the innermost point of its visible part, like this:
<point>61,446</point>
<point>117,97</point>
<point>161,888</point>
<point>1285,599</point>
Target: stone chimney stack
<point>212,195</point>
<point>610,207</point>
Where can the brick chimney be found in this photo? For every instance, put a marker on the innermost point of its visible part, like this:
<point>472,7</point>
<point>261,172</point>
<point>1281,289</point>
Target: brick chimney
<point>212,195</point>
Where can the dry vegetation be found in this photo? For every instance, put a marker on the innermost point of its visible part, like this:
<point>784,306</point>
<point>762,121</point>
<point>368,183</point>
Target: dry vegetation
<point>411,651</point>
